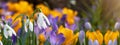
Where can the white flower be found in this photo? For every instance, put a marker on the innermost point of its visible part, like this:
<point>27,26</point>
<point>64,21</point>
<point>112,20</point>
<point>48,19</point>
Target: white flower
<point>28,23</point>
<point>1,42</point>
<point>90,42</point>
<point>8,31</point>
<point>31,26</point>
<point>96,42</point>
<point>117,25</point>
<point>110,42</point>
<point>42,20</point>
<point>88,25</point>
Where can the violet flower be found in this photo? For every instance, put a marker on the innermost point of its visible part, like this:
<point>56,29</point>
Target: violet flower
<point>56,39</point>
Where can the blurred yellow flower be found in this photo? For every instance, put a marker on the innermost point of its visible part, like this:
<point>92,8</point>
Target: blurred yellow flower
<point>70,38</point>
<point>21,7</point>
<point>42,39</point>
<point>95,35</point>
<point>0,37</point>
<point>44,9</point>
<point>70,15</point>
<point>56,13</point>
<point>18,21</point>
<point>110,35</point>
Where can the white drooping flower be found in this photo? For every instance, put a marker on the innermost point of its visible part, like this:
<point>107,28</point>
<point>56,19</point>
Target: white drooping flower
<point>42,21</point>
<point>29,24</point>
<point>8,31</point>
<point>88,25</point>
<point>1,42</point>
<point>117,25</point>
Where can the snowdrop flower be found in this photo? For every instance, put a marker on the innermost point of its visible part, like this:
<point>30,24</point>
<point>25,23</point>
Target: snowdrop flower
<point>117,25</point>
<point>8,31</point>
<point>42,21</point>
<point>29,24</point>
<point>88,25</point>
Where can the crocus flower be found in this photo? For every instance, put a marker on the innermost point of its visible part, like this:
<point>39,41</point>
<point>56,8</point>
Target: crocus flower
<point>56,39</point>
<point>95,35</point>
<point>111,35</point>
<point>42,21</point>
<point>70,38</point>
<point>96,42</point>
<point>110,42</point>
<point>88,25</point>
<point>44,9</point>
<point>90,42</point>
<point>72,27</point>
<point>1,41</point>
<point>8,31</point>
<point>81,36</point>
<point>70,15</point>
<point>117,26</point>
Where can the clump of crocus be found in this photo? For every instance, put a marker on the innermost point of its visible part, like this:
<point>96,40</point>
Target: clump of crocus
<point>94,36</point>
<point>112,35</point>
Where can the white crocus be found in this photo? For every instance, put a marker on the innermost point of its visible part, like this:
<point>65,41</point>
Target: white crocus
<point>96,42</point>
<point>110,42</point>
<point>117,25</point>
<point>42,20</point>
<point>88,25</point>
<point>90,42</point>
<point>8,31</point>
<point>1,42</point>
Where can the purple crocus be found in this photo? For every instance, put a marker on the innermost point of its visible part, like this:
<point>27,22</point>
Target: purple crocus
<point>72,27</point>
<point>53,22</point>
<point>81,36</point>
<point>56,39</point>
<point>90,42</point>
<point>110,42</point>
<point>95,42</point>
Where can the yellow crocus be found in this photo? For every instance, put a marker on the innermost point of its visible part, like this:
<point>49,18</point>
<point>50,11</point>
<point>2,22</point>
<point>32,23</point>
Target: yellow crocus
<point>44,9</point>
<point>42,39</point>
<point>110,35</point>
<point>56,13</point>
<point>21,7</point>
<point>70,15</point>
<point>70,38</point>
<point>95,35</point>
<point>19,25</point>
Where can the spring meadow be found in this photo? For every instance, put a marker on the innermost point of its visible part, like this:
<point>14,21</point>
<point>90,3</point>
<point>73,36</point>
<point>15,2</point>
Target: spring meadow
<point>59,22</point>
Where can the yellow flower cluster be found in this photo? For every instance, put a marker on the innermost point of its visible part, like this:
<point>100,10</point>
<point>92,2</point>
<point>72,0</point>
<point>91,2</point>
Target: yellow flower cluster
<point>20,7</point>
<point>70,37</point>
<point>95,35</point>
<point>110,35</point>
